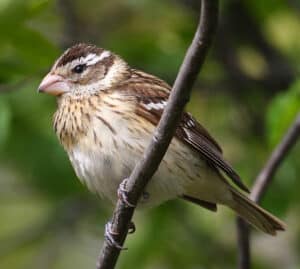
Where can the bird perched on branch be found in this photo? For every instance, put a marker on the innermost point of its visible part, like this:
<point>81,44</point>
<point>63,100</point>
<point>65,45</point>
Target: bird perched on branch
<point>106,115</point>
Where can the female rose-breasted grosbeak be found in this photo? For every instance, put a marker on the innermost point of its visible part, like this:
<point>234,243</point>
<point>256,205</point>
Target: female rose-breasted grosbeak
<point>107,112</point>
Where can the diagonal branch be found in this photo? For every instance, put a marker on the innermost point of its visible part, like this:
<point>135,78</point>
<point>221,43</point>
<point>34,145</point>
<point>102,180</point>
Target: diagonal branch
<point>281,151</point>
<point>154,153</point>
<point>261,185</point>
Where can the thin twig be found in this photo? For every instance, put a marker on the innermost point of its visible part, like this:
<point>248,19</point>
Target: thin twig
<point>281,151</point>
<point>154,153</point>
<point>260,187</point>
<point>243,244</point>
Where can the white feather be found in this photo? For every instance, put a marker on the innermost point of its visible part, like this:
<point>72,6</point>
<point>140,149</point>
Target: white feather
<point>93,58</point>
<point>157,106</point>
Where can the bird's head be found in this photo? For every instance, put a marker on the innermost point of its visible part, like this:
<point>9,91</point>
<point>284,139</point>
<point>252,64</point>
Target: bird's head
<point>83,69</point>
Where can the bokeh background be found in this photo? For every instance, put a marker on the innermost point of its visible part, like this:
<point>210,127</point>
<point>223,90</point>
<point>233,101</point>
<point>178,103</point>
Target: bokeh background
<point>247,95</point>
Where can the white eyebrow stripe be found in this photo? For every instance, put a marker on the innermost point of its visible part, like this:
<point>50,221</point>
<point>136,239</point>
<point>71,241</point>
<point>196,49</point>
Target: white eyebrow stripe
<point>93,58</point>
<point>104,54</point>
<point>89,57</point>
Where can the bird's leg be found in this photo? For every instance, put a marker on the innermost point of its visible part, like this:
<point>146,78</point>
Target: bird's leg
<point>123,193</point>
<point>109,233</point>
<point>123,196</point>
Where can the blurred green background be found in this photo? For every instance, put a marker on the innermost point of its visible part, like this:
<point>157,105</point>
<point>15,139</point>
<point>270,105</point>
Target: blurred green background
<point>247,95</point>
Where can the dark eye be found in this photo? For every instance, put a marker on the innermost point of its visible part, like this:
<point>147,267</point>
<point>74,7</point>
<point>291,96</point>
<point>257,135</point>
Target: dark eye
<point>79,68</point>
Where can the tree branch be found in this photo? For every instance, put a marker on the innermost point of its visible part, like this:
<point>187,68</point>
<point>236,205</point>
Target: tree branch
<point>163,134</point>
<point>281,151</point>
<point>261,185</point>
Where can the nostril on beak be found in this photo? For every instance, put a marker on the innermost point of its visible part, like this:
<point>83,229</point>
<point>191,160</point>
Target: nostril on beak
<point>53,84</point>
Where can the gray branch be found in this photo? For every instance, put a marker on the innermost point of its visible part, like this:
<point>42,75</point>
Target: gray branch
<point>260,187</point>
<point>281,151</point>
<point>163,134</point>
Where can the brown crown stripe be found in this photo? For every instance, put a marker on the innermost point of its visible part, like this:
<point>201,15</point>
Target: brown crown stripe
<point>77,51</point>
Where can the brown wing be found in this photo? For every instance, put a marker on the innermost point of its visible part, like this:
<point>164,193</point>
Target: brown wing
<point>152,94</point>
<point>193,134</point>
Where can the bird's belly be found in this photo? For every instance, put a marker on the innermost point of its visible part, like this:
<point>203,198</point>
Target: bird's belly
<point>103,168</point>
<point>100,172</point>
<point>106,156</point>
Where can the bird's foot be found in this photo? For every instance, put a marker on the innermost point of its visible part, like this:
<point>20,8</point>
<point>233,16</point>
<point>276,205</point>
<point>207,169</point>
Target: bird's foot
<point>123,193</point>
<point>145,197</point>
<point>131,228</point>
<point>109,233</point>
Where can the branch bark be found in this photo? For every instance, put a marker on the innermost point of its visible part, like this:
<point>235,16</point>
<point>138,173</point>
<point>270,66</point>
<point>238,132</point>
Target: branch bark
<point>262,182</point>
<point>163,134</point>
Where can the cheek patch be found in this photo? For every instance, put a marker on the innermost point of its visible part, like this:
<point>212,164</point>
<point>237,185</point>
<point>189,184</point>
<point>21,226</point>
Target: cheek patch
<point>92,75</point>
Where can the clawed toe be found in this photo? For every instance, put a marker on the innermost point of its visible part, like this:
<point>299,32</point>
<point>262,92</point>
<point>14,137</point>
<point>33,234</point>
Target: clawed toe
<point>109,233</point>
<point>145,196</point>
<point>123,194</point>
<point>131,228</point>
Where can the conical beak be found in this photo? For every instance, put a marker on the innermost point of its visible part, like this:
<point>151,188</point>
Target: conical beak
<point>54,85</point>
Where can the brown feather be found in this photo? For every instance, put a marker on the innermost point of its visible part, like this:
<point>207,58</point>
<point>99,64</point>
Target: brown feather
<point>76,52</point>
<point>205,204</point>
<point>189,131</point>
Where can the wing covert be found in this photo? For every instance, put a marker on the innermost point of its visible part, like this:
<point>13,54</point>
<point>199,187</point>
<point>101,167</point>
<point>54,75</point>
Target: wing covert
<point>152,95</point>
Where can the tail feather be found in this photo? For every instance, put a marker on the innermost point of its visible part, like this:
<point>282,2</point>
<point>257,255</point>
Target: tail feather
<point>255,215</point>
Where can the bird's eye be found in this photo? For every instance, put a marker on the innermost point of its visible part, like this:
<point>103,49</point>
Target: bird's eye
<point>79,68</point>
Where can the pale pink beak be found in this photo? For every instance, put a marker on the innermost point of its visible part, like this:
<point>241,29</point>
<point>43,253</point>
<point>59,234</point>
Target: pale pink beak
<point>54,85</point>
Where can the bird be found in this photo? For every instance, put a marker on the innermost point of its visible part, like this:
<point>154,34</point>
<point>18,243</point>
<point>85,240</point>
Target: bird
<point>106,114</point>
